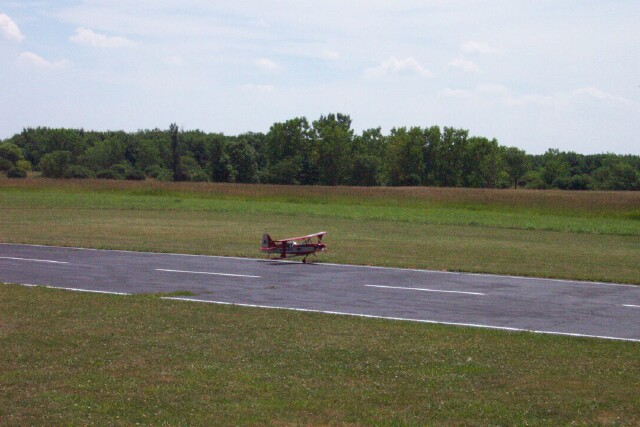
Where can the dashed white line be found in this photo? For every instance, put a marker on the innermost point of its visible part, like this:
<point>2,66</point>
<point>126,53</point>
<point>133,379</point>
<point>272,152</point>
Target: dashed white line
<point>33,260</point>
<point>498,276</point>
<point>631,305</point>
<point>425,290</point>
<point>207,272</point>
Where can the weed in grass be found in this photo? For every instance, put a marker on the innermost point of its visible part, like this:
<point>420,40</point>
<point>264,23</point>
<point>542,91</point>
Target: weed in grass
<point>174,294</point>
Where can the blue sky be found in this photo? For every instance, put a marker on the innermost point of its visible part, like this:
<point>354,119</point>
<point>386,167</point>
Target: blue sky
<point>533,74</point>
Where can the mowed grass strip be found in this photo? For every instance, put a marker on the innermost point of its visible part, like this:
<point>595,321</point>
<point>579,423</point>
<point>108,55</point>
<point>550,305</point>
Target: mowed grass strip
<point>75,359</point>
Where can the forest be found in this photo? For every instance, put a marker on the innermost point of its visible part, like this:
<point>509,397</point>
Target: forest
<point>326,151</point>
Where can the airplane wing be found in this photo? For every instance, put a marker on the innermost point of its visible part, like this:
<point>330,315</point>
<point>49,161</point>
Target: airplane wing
<point>319,235</point>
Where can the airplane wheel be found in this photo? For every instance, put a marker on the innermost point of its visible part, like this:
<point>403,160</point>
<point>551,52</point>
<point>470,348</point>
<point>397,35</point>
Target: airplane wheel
<point>304,261</point>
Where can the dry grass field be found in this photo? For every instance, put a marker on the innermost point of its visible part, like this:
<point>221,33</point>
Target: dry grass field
<point>547,200</point>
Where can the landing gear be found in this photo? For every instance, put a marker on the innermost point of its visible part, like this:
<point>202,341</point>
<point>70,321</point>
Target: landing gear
<point>304,260</point>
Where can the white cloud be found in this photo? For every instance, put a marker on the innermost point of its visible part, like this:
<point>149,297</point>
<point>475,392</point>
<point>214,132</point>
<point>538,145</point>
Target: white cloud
<point>501,94</point>
<point>9,28</point>
<point>595,93</point>
<point>564,99</point>
<point>478,47</point>
<point>31,59</point>
<point>395,66</point>
<point>464,64</point>
<point>329,55</point>
<point>87,37</point>
<point>176,60</point>
<point>505,96</point>
<point>254,88</point>
<point>601,95</point>
<point>267,64</point>
<point>497,93</point>
<point>493,89</point>
<point>455,93</point>
<point>556,100</point>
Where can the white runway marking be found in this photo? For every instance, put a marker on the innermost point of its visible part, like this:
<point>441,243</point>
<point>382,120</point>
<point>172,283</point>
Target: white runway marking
<point>425,290</point>
<point>206,272</point>
<point>435,322</point>
<point>85,290</point>
<point>33,260</point>
<point>631,305</point>
<point>30,285</point>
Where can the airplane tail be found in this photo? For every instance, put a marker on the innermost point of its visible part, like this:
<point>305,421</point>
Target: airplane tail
<point>267,241</point>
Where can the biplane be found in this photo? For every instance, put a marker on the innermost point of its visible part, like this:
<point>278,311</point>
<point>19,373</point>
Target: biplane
<point>294,246</point>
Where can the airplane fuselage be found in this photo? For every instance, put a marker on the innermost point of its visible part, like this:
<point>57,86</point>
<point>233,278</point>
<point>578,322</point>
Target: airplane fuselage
<point>291,248</point>
<point>294,249</point>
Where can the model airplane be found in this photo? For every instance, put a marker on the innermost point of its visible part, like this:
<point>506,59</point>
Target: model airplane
<point>291,248</point>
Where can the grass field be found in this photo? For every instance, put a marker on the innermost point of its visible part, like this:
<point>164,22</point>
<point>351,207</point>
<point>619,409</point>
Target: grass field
<point>77,359</point>
<point>576,235</point>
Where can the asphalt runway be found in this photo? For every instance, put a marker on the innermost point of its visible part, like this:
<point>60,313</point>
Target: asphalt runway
<point>602,310</point>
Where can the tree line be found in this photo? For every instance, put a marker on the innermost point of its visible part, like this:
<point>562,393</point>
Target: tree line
<point>325,151</point>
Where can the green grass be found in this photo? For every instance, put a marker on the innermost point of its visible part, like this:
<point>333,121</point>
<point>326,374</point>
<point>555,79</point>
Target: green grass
<point>470,215</point>
<point>573,235</point>
<point>76,359</point>
<point>569,215</point>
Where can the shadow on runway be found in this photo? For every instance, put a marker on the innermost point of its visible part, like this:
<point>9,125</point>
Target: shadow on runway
<point>286,263</point>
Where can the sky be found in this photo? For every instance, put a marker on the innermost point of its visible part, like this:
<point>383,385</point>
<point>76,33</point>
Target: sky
<point>535,74</point>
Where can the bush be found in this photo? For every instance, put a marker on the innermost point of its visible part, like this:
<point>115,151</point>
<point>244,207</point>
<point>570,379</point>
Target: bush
<point>159,173</point>
<point>11,152</point>
<point>16,173</point>
<point>286,171</point>
<point>562,183</point>
<point>24,164</point>
<point>5,165</point>
<point>108,174</point>
<point>120,169</point>
<point>154,170</point>
<point>503,180</point>
<point>623,177</point>
<point>579,182</point>
<point>77,171</point>
<point>536,185</point>
<point>364,171</point>
<point>192,170</point>
<point>165,175</point>
<point>135,175</point>
<point>532,180</point>
<point>55,164</point>
<point>406,180</point>
<point>197,176</point>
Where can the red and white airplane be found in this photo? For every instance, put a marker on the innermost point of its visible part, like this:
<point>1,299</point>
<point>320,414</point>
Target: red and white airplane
<point>290,247</point>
